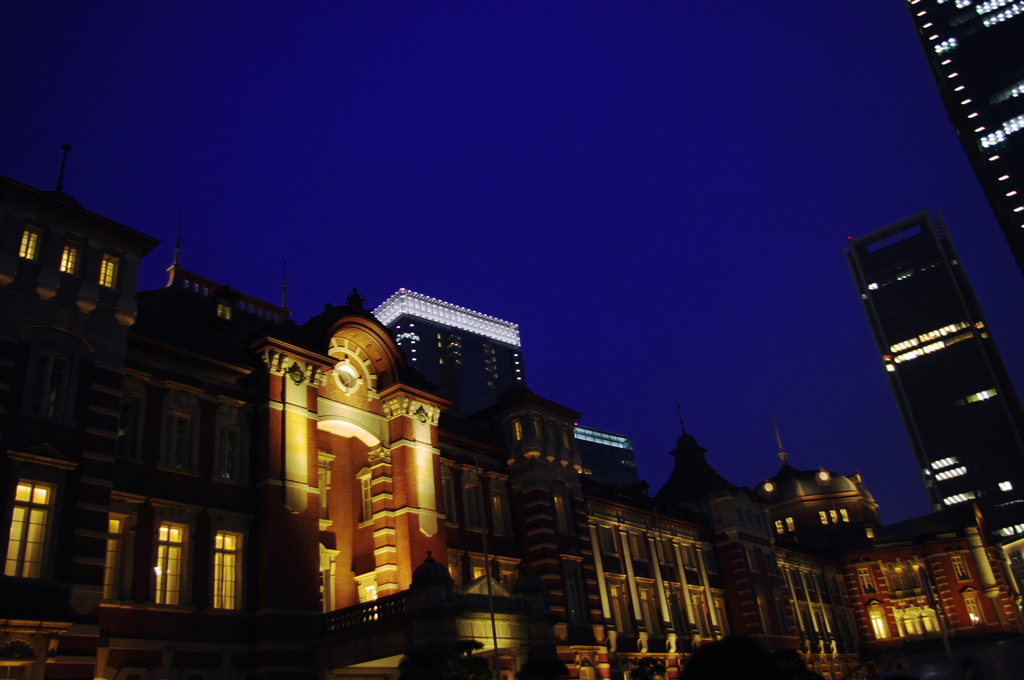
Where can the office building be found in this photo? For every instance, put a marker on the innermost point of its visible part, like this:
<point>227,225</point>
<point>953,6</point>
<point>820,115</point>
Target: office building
<point>471,357</point>
<point>958,406</point>
<point>607,456</point>
<point>976,54</point>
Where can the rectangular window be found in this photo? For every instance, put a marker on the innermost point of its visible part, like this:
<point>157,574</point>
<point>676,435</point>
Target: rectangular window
<point>620,608</point>
<point>700,612</point>
<point>689,557</point>
<point>127,420</point>
<point>223,310</point>
<point>29,247</point>
<point>474,517</point>
<point>517,429</point>
<point>606,537</point>
<point>867,582</point>
<point>973,609</point>
<point>823,516</point>
<point>769,563</point>
<point>448,487</point>
<point>844,514</point>
<point>834,516</point>
<point>29,524</point>
<point>778,526</point>
<point>226,564</point>
<point>709,560</point>
<point>176,443</point>
<point>561,507</point>
<point>637,547</point>
<point>573,596</point>
<point>538,427</point>
<point>228,454</point>
<point>170,560</point>
<point>108,271</point>
<point>790,524</point>
<point>365,498</point>
<point>960,568</point>
<point>112,564</point>
<point>751,559</point>
<point>499,511</point>
<point>566,437</point>
<point>50,380</point>
<point>69,259</point>
<point>878,622</point>
<point>649,612</point>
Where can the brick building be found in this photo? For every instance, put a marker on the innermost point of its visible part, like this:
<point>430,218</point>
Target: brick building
<point>196,487</point>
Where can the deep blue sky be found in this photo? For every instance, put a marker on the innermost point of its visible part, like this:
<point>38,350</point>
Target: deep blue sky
<point>657,192</point>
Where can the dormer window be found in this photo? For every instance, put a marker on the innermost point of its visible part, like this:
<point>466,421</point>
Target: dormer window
<point>29,247</point>
<point>108,271</point>
<point>224,310</point>
<point>69,259</point>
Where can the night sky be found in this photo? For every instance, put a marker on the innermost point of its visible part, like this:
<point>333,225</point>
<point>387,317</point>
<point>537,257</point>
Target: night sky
<point>658,193</point>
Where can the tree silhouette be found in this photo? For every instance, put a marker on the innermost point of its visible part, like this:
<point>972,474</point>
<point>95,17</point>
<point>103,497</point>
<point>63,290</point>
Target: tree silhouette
<point>647,668</point>
<point>438,663</point>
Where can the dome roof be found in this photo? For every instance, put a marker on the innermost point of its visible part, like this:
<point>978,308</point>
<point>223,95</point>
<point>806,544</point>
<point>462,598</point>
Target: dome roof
<point>790,483</point>
<point>431,573</point>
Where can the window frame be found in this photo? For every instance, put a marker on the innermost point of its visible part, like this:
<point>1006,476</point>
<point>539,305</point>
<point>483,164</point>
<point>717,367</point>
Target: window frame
<point>221,600</point>
<point>30,245</point>
<point>37,403</point>
<point>163,594</point>
<point>17,565</point>
<point>70,259</point>
<point>109,272</point>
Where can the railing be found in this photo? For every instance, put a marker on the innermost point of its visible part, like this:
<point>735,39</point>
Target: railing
<point>384,609</point>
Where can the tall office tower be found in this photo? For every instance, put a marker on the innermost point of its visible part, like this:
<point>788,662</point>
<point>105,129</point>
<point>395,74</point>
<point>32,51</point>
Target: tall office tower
<point>958,405</point>
<point>608,456</point>
<point>470,356</point>
<point>976,54</point>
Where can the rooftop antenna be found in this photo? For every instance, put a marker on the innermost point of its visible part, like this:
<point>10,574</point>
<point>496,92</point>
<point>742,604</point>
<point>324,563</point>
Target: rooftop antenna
<point>63,164</point>
<point>679,410</point>
<point>177,244</point>
<point>284,287</point>
<point>783,456</point>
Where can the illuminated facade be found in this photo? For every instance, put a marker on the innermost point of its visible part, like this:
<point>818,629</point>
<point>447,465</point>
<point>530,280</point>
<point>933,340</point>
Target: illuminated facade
<point>470,356</point>
<point>976,53</point>
<point>958,406</point>
<point>195,487</point>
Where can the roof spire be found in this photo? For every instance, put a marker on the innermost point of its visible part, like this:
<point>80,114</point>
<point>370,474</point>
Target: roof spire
<point>63,164</point>
<point>177,244</point>
<point>284,287</point>
<point>783,456</point>
<point>679,410</point>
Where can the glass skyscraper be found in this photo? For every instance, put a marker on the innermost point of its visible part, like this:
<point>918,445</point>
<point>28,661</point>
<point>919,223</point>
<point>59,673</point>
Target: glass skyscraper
<point>959,408</point>
<point>471,357</point>
<point>976,54</point>
<point>609,457</point>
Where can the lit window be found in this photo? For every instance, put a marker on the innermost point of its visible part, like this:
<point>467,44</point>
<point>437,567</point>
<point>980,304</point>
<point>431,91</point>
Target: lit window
<point>228,454</point>
<point>177,453</point>
<point>952,472</point>
<point>974,608</point>
<point>538,427</point>
<point>879,625</point>
<point>517,429</point>
<point>51,376</point>
<point>606,539</point>
<point>226,564</point>
<point>790,524</point>
<point>365,498</point>
<point>29,526</point>
<point>944,462</point>
<point>980,396</point>
<point>1005,486</point>
<point>29,247</point>
<point>112,565</point>
<point>108,271</point>
<point>69,260</point>
<point>834,516</point>
<point>223,310</point>
<point>778,526</point>
<point>844,514</point>
<point>169,558</point>
<point>958,498</point>
<point>823,516</point>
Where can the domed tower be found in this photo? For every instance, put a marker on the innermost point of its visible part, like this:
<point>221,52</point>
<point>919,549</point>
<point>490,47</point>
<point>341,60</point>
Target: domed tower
<point>818,507</point>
